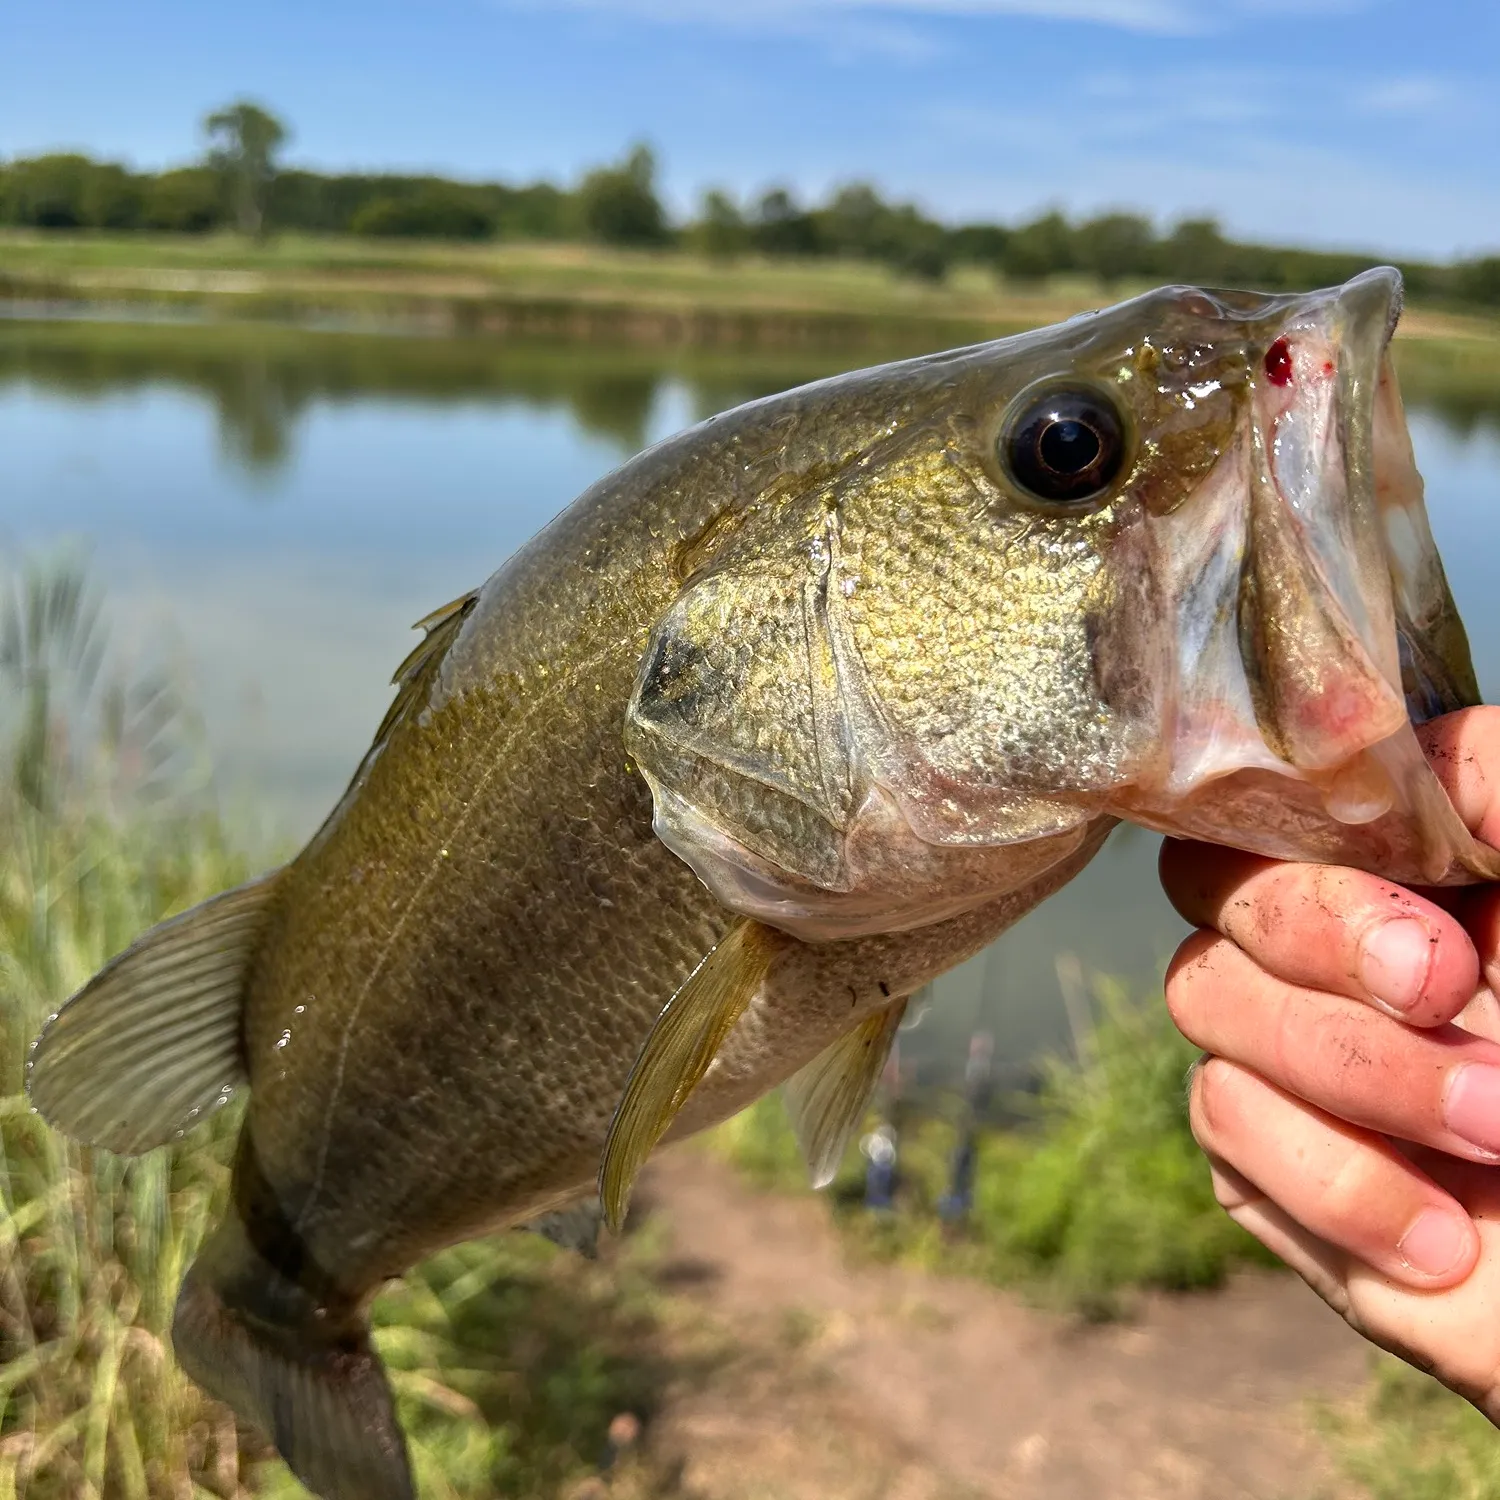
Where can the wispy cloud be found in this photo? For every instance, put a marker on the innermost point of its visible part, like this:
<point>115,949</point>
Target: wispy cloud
<point>1221,142</point>
<point>1407,96</point>
<point>1163,17</point>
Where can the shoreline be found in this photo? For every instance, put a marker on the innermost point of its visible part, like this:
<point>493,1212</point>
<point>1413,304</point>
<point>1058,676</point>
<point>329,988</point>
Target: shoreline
<point>561,293</point>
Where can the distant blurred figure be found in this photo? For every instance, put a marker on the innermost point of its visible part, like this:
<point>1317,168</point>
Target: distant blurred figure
<point>624,1434</point>
<point>954,1206</point>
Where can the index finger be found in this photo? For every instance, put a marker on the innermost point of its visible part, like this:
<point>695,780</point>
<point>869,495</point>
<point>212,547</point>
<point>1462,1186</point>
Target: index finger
<point>1323,927</point>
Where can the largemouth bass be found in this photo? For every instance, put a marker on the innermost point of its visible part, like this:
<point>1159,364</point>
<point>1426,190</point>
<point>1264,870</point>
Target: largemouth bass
<point>783,719</point>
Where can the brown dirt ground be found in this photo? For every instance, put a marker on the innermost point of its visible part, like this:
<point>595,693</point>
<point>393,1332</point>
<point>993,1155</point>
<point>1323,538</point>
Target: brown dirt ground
<point>880,1383</point>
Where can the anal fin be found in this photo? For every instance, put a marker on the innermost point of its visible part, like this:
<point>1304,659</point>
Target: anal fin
<point>151,1045</point>
<point>827,1099</point>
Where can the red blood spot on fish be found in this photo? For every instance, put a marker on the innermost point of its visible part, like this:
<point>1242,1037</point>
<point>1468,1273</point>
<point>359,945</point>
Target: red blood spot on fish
<point>1279,363</point>
<point>1328,367</point>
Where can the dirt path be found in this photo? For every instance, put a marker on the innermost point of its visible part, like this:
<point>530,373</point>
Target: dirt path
<point>880,1382</point>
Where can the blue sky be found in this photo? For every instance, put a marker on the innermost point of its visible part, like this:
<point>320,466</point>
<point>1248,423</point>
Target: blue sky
<point>1368,123</point>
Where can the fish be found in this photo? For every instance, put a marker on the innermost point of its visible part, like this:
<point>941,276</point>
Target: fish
<point>789,715</point>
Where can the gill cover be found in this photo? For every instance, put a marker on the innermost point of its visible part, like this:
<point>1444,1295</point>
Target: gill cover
<point>776,772</point>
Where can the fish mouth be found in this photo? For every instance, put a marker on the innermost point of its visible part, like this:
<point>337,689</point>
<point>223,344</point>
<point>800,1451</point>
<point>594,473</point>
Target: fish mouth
<point>1316,628</point>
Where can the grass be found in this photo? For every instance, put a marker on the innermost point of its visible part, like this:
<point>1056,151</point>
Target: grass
<point>509,1358</point>
<point>1105,1194</point>
<point>1412,1439</point>
<point>559,290</point>
<point>93,1246</point>
<point>578,291</point>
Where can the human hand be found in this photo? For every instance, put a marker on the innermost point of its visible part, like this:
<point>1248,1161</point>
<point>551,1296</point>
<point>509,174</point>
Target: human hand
<point>1350,1102</point>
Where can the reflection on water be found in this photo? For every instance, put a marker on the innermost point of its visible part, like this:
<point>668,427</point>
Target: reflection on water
<point>274,507</point>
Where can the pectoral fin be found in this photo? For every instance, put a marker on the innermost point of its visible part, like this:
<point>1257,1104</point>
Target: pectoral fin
<point>687,1036</point>
<point>828,1098</point>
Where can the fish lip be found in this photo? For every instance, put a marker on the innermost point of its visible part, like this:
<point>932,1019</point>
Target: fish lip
<point>1435,669</point>
<point>1374,301</point>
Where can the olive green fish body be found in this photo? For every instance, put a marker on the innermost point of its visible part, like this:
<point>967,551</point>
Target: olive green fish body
<point>463,964</point>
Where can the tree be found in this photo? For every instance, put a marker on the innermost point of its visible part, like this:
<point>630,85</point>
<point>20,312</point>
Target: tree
<point>619,206</point>
<point>437,210</point>
<point>1115,246</point>
<point>720,232</point>
<point>1040,249</point>
<point>1197,251</point>
<point>244,140</point>
<point>188,200</point>
<point>783,227</point>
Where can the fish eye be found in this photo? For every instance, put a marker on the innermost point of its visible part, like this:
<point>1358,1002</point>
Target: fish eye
<point>1065,445</point>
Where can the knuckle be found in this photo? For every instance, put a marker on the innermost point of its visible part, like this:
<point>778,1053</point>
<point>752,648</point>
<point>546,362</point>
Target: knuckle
<point>1349,1191</point>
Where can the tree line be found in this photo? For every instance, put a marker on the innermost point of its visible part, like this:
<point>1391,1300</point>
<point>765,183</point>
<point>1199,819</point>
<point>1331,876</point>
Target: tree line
<point>238,184</point>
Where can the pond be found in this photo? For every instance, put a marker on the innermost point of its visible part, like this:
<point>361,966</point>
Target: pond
<point>274,507</point>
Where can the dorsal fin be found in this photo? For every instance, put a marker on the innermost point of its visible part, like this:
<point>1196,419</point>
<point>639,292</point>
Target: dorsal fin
<point>441,627</point>
<point>151,1045</point>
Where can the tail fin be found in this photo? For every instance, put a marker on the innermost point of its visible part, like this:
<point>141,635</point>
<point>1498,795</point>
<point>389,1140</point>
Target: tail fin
<point>304,1373</point>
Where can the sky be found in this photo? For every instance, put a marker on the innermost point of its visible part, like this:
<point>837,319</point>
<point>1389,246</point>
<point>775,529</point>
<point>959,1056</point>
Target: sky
<point>1366,124</point>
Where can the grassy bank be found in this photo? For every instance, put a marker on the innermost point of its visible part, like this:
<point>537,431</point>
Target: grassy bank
<point>557,291</point>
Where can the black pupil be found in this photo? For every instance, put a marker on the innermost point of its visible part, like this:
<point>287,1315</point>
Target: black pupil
<point>1068,447</point>
<point>1065,446</point>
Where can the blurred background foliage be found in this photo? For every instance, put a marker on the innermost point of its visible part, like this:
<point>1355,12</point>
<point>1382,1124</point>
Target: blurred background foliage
<point>238,184</point>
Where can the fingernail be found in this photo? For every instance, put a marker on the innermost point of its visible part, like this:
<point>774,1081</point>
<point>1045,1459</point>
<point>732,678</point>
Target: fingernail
<point>1394,960</point>
<point>1435,1243</point>
<point>1471,1105</point>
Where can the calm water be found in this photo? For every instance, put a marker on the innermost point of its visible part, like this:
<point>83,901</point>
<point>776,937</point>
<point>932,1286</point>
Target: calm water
<point>275,508</point>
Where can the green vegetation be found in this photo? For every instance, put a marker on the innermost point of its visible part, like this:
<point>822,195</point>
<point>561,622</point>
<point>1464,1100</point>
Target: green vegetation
<point>245,142</point>
<point>1106,1192</point>
<point>1412,1439</point>
<point>509,1358</point>
<point>238,184</point>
